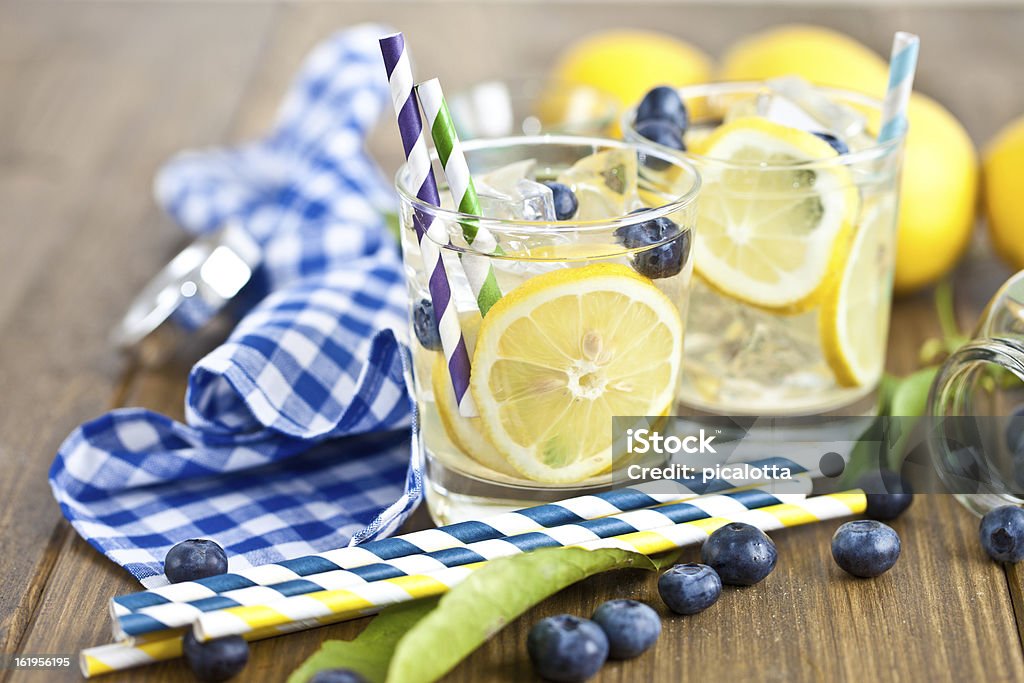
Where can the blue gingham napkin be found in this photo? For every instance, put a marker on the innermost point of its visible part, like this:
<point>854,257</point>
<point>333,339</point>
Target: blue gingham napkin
<point>297,437</point>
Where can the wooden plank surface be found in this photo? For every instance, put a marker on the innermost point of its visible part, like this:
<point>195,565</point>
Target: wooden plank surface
<point>97,95</point>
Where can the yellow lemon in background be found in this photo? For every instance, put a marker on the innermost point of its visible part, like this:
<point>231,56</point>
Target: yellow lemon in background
<point>818,54</point>
<point>1004,192</point>
<point>938,195</point>
<point>627,63</point>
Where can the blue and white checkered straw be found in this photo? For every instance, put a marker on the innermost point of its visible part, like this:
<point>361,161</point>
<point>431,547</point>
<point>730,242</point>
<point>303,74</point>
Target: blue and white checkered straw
<point>430,233</point>
<point>902,66</point>
<point>176,614</point>
<point>569,511</point>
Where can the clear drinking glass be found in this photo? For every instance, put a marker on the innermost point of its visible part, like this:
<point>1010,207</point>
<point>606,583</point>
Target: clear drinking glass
<point>590,323</point>
<point>976,408</point>
<point>785,322</point>
<point>530,106</point>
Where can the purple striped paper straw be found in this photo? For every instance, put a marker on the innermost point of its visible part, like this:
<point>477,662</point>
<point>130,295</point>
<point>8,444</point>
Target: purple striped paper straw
<point>430,233</point>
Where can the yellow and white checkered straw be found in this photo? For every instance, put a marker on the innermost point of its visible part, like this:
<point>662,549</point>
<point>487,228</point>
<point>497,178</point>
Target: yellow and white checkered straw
<point>315,609</point>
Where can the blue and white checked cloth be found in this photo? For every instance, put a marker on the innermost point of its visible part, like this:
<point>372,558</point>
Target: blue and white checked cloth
<point>297,437</point>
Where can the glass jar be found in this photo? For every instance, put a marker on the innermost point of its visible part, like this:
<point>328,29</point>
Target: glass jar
<point>976,408</point>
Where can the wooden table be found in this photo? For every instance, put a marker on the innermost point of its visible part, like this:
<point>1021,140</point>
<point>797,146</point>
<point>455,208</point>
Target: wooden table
<point>95,96</point>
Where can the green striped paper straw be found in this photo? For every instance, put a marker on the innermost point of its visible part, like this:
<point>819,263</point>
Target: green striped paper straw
<point>478,268</point>
<point>902,65</point>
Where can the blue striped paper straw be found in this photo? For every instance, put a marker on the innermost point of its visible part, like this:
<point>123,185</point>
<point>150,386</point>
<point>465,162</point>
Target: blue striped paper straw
<point>176,615</point>
<point>902,65</point>
<point>550,515</point>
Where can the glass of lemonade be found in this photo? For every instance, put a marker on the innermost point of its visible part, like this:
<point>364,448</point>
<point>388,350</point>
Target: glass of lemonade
<point>594,278</point>
<point>794,254</point>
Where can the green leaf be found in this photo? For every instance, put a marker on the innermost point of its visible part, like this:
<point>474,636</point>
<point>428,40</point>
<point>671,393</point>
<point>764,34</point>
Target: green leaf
<point>370,652</point>
<point>491,598</point>
<point>910,397</point>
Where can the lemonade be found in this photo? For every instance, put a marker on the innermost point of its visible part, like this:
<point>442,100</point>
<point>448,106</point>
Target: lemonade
<point>794,244</point>
<point>593,262</point>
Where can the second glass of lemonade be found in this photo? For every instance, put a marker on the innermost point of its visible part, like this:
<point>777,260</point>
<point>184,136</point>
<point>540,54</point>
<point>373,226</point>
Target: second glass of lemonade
<point>588,247</point>
<point>794,249</point>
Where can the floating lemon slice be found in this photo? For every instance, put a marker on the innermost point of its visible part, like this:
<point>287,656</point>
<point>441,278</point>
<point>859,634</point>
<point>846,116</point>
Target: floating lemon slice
<point>559,356</point>
<point>465,432</point>
<point>854,319</point>
<point>772,237</point>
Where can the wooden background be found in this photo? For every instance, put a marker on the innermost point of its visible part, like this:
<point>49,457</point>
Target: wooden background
<point>95,96</point>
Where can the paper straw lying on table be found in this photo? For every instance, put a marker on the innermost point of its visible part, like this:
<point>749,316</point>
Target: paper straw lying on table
<point>478,268</point>
<point>174,615</point>
<point>902,65</point>
<point>430,234</point>
<point>549,515</point>
<point>326,607</point>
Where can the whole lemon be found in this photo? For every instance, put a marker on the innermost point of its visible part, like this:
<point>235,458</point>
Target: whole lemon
<point>628,63</point>
<point>1004,192</point>
<point>938,195</point>
<point>939,185</point>
<point>818,54</point>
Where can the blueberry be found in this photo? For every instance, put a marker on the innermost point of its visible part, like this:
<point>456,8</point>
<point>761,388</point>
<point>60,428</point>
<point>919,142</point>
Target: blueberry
<point>741,554</point>
<point>194,559</point>
<point>663,103</point>
<point>425,325</point>
<point>565,201</point>
<point>338,676</point>
<point>567,648</point>
<point>661,261</point>
<point>1015,430</point>
<point>631,627</point>
<point>865,548</point>
<point>690,588</point>
<point>1002,533</point>
<point>838,145</point>
<point>662,132</point>
<point>215,660</point>
<point>888,494</point>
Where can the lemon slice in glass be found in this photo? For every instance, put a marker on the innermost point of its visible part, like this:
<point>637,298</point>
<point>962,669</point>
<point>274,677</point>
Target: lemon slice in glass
<point>854,319</point>
<point>559,356</point>
<point>465,432</point>
<point>769,235</point>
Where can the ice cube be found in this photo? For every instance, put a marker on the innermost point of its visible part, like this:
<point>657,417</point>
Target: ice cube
<point>510,193</point>
<point>795,102</point>
<point>605,184</point>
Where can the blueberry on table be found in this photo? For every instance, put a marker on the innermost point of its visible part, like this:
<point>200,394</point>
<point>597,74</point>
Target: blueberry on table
<point>662,132</point>
<point>425,325</point>
<point>865,548</point>
<point>567,648</point>
<point>741,554</point>
<point>663,103</point>
<point>565,200</point>
<point>215,660</point>
<point>1002,533</point>
<point>338,676</point>
<point>690,588</point>
<point>631,627</point>
<point>661,261</point>
<point>194,559</point>
<point>888,494</point>
<point>838,145</point>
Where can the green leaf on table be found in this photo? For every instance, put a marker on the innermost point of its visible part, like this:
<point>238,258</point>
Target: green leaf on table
<point>370,652</point>
<point>910,396</point>
<point>491,598</point>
